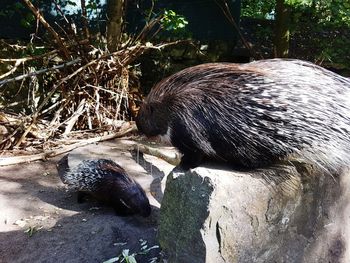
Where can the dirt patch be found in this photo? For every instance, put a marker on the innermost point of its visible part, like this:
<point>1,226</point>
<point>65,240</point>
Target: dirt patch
<point>40,221</point>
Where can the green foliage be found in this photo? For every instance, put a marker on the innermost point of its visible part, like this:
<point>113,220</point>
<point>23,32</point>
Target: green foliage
<point>173,22</point>
<point>170,21</point>
<point>335,12</point>
<point>28,20</point>
<point>69,7</point>
<point>126,257</point>
<point>257,8</point>
<point>72,3</point>
<point>298,2</point>
<point>320,26</point>
<point>32,230</point>
<point>336,50</point>
<point>18,9</point>
<point>93,5</point>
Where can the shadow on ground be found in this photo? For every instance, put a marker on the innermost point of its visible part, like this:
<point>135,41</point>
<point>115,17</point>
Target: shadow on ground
<point>40,221</point>
<point>85,237</point>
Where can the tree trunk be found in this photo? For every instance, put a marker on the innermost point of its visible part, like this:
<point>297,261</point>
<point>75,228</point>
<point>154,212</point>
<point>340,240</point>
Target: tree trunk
<point>115,10</point>
<point>85,19</point>
<point>282,29</point>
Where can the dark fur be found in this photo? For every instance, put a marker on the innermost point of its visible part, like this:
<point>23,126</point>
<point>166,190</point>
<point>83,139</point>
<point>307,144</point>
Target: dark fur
<point>107,182</point>
<point>252,115</point>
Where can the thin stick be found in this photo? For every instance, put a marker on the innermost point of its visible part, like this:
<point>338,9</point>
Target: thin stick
<point>41,71</point>
<point>57,38</point>
<point>227,12</point>
<point>49,154</point>
<point>24,134</point>
<point>17,64</point>
<point>172,158</point>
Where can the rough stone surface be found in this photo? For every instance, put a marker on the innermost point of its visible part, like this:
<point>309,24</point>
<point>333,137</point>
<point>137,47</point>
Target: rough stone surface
<point>274,215</point>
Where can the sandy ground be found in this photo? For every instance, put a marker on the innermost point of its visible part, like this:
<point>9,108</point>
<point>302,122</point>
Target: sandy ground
<point>40,221</point>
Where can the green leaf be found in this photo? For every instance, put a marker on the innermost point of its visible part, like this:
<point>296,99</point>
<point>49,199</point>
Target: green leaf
<point>131,259</point>
<point>112,260</point>
<point>72,3</point>
<point>125,253</point>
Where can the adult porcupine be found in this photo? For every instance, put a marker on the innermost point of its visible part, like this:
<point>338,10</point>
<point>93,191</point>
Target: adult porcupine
<point>253,114</point>
<point>107,182</point>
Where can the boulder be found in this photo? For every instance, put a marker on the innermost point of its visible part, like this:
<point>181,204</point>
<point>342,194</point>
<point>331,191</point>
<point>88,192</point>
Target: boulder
<point>279,214</point>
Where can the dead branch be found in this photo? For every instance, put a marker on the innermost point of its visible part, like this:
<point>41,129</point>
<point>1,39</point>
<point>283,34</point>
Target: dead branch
<point>162,46</point>
<point>48,54</point>
<point>74,118</point>
<point>38,72</point>
<point>15,67</point>
<point>57,38</point>
<point>16,47</point>
<point>113,66</point>
<point>37,57</point>
<point>227,12</point>
<point>170,157</point>
<point>25,134</point>
<point>49,154</point>
<point>90,93</point>
<point>49,95</point>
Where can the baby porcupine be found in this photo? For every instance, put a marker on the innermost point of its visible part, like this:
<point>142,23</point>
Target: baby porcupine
<point>107,182</point>
<point>252,115</point>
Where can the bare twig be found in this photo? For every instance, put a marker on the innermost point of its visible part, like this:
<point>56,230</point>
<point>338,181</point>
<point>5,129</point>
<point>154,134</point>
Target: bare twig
<point>74,118</point>
<point>24,134</point>
<point>17,64</point>
<point>170,157</point>
<point>49,154</point>
<point>16,47</point>
<point>227,12</point>
<point>83,91</point>
<point>41,71</point>
<point>57,38</point>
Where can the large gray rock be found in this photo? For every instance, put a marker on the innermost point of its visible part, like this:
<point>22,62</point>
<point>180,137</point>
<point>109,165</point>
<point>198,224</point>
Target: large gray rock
<point>273,215</point>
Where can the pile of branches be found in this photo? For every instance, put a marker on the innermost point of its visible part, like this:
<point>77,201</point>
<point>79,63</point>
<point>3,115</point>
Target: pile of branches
<point>87,88</point>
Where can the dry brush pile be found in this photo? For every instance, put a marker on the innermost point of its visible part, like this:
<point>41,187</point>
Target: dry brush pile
<point>76,90</point>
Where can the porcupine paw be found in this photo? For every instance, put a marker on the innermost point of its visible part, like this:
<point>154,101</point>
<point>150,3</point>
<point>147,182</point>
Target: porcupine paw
<point>190,160</point>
